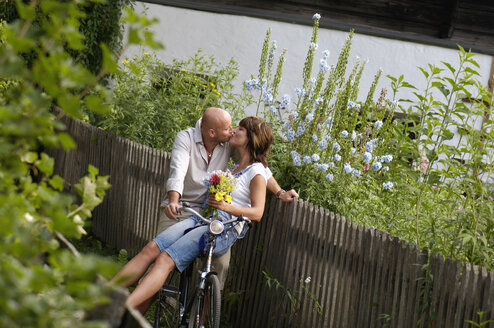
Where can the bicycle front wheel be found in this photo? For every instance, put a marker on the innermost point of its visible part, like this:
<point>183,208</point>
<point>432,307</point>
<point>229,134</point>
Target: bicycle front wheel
<point>206,309</point>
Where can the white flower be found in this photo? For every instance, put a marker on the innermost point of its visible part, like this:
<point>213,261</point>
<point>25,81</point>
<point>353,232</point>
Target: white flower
<point>347,167</point>
<point>376,166</point>
<point>322,144</point>
<point>325,54</point>
<point>323,65</point>
<point>28,217</point>
<point>344,133</point>
<point>323,167</point>
<point>315,157</point>
<point>378,124</point>
<point>285,101</point>
<point>337,158</point>
<point>296,158</point>
<point>387,158</point>
<point>369,146</point>
<point>329,177</point>
<point>290,135</point>
<point>251,84</point>
<point>367,157</point>
<point>316,16</point>
<point>388,185</point>
<point>307,280</point>
<point>314,45</point>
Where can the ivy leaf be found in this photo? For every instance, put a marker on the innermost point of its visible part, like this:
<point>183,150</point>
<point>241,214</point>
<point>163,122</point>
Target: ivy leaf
<point>29,157</point>
<point>45,164</point>
<point>56,182</point>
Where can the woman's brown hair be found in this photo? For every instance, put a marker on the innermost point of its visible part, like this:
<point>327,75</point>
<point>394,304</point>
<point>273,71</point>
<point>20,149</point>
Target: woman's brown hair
<point>259,138</point>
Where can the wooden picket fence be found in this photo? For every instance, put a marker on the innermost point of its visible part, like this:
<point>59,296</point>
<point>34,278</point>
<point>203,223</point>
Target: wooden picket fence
<point>359,277</point>
<point>128,217</point>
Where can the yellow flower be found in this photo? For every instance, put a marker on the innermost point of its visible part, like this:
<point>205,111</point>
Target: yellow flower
<point>125,62</point>
<point>146,53</point>
<point>219,196</point>
<point>228,198</point>
<point>183,69</point>
<point>212,84</point>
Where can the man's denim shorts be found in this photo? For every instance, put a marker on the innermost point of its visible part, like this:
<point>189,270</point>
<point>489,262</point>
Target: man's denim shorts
<point>183,247</point>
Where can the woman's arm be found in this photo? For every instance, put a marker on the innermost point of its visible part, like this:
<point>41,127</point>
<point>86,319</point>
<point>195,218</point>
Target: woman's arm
<point>257,200</point>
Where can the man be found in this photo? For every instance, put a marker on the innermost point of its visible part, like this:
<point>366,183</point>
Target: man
<point>196,152</point>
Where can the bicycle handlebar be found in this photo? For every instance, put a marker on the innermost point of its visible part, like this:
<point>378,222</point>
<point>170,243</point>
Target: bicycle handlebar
<point>185,207</point>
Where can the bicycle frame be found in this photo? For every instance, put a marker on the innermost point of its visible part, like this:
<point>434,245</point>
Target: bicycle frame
<point>216,227</point>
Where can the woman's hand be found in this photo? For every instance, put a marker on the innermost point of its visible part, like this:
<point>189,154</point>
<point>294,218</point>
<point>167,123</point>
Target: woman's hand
<point>221,205</point>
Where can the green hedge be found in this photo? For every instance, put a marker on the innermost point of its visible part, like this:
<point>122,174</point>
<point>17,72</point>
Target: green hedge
<point>101,25</point>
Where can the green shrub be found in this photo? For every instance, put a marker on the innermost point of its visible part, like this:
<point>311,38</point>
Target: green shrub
<point>404,176</point>
<point>98,22</point>
<point>43,282</point>
<point>153,101</point>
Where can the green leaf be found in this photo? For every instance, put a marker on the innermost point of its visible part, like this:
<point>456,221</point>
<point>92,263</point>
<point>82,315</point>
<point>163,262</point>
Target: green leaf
<point>66,141</point>
<point>70,104</point>
<point>472,71</point>
<point>29,157</point>
<point>95,104</point>
<point>134,37</point>
<point>19,44</point>
<point>92,171</point>
<point>109,63</point>
<point>45,164</point>
<point>57,182</point>
<point>426,74</point>
<point>447,135</point>
<point>25,11</point>
<point>448,65</point>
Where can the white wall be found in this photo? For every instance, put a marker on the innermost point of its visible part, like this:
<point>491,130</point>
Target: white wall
<point>184,31</point>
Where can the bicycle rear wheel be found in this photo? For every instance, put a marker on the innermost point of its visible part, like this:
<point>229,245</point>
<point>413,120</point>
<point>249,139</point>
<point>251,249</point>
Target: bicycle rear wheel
<point>167,311</point>
<point>206,309</point>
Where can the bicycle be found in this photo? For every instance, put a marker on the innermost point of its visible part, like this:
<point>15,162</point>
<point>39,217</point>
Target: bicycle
<point>174,308</point>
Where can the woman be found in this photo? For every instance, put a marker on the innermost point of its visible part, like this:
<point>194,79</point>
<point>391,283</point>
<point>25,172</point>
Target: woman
<point>174,248</point>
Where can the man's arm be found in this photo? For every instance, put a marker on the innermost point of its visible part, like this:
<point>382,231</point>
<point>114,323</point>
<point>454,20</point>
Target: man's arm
<point>171,208</point>
<point>179,165</point>
<point>274,187</point>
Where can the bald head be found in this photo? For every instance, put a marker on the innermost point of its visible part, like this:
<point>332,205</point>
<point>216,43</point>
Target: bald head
<point>216,124</point>
<point>214,116</point>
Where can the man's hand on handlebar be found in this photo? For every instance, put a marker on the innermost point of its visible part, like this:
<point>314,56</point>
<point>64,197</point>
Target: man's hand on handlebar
<point>171,210</point>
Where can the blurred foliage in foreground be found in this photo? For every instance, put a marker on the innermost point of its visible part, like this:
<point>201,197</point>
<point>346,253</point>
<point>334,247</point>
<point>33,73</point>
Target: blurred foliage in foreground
<point>44,282</point>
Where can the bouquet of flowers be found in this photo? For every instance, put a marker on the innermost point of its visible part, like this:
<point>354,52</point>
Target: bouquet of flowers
<point>221,184</point>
